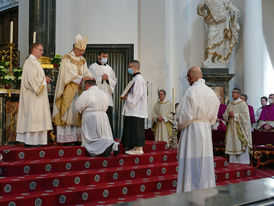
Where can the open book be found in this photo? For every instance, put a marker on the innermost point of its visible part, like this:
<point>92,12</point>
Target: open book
<point>126,90</point>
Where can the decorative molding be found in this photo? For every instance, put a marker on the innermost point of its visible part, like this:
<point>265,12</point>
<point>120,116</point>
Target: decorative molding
<point>7,4</point>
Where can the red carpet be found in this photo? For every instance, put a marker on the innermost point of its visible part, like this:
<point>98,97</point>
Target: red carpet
<point>66,175</point>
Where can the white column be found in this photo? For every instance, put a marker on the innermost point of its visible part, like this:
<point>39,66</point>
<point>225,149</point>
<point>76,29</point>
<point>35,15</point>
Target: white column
<point>253,52</point>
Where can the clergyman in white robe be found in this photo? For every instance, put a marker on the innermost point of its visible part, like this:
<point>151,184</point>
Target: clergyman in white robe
<point>162,129</point>
<point>34,119</point>
<point>197,112</point>
<point>95,130</point>
<point>105,79</point>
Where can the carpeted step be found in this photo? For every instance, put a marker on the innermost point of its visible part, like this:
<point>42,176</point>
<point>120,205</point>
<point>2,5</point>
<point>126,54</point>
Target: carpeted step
<point>234,171</point>
<point>31,183</point>
<point>220,162</point>
<point>19,153</point>
<point>92,193</point>
<point>29,167</point>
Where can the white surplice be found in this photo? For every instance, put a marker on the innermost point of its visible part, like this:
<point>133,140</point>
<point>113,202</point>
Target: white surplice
<point>97,71</point>
<point>95,130</point>
<point>136,102</point>
<point>197,112</point>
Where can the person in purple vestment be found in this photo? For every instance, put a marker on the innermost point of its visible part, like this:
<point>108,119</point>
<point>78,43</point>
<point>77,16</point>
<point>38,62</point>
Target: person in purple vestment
<point>266,120</point>
<point>260,109</point>
<point>250,108</point>
<point>220,118</point>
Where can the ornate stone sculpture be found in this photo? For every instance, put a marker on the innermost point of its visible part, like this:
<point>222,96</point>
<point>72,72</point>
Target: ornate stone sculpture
<point>221,19</point>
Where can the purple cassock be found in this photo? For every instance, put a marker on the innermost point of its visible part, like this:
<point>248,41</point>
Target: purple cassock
<point>221,126</point>
<point>251,114</point>
<point>221,111</point>
<point>267,113</point>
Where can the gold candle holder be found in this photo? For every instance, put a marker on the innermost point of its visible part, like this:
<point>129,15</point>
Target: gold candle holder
<point>11,58</point>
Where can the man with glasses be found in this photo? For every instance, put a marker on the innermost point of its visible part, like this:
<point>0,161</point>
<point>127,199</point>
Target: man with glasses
<point>238,132</point>
<point>196,113</point>
<point>73,70</point>
<point>34,118</point>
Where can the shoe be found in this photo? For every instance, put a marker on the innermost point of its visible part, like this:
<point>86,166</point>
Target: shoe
<point>117,152</point>
<point>107,152</point>
<point>135,152</point>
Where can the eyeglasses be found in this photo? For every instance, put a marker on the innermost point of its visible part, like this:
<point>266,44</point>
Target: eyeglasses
<point>187,76</point>
<point>39,49</point>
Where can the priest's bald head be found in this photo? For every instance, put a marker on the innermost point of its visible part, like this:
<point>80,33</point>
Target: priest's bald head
<point>194,74</point>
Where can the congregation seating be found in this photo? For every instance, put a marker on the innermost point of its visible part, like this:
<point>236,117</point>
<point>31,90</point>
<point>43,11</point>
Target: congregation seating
<point>262,150</point>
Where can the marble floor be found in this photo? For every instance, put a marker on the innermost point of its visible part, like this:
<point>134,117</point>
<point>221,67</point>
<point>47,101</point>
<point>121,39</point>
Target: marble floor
<point>255,192</point>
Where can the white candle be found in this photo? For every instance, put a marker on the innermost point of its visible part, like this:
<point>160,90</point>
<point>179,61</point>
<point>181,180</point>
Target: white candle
<point>34,37</point>
<point>173,99</point>
<point>11,32</point>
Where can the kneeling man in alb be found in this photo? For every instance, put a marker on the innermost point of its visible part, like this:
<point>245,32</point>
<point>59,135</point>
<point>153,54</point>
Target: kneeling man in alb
<point>95,130</point>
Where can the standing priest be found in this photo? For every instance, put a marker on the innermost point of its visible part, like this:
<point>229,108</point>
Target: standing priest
<point>33,113</point>
<point>162,119</point>
<point>197,112</point>
<point>73,70</point>
<point>238,133</point>
<point>105,79</point>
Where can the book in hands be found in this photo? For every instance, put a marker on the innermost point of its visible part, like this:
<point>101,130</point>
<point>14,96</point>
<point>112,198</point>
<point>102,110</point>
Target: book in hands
<point>126,90</point>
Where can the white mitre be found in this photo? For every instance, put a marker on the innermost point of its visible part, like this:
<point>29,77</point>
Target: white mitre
<point>80,42</point>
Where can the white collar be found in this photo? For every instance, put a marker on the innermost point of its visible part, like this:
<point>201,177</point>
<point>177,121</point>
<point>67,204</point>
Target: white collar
<point>199,81</point>
<point>33,57</point>
<point>237,100</point>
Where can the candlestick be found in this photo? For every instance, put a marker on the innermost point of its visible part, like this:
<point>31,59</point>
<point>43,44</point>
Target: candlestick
<point>34,37</point>
<point>173,99</point>
<point>11,52</point>
<point>11,32</point>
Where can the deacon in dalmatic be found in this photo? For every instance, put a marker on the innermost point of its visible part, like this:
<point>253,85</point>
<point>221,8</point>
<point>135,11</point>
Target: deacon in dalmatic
<point>105,79</point>
<point>162,118</point>
<point>34,118</point>
<point>73,70</point>
<point>238,138</point>
<point>197,112</point>
<point>95,130</point>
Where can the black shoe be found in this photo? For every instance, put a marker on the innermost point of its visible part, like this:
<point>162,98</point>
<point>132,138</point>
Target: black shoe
<point>117,152</point>
<point>78,143</point>
<point>30,145</point>
<point>69,144</point>
<point>107,152</point>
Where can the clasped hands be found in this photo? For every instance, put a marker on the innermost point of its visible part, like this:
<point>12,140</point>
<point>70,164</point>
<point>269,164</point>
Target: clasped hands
<point>47,79</point>
<point>160,119</point>
<point>104,77</point>
<point>231,114</point>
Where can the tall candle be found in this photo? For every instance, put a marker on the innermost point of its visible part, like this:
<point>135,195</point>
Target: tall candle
<point>34,37</point>
<point>173,99</point>
<point>11,32</point>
